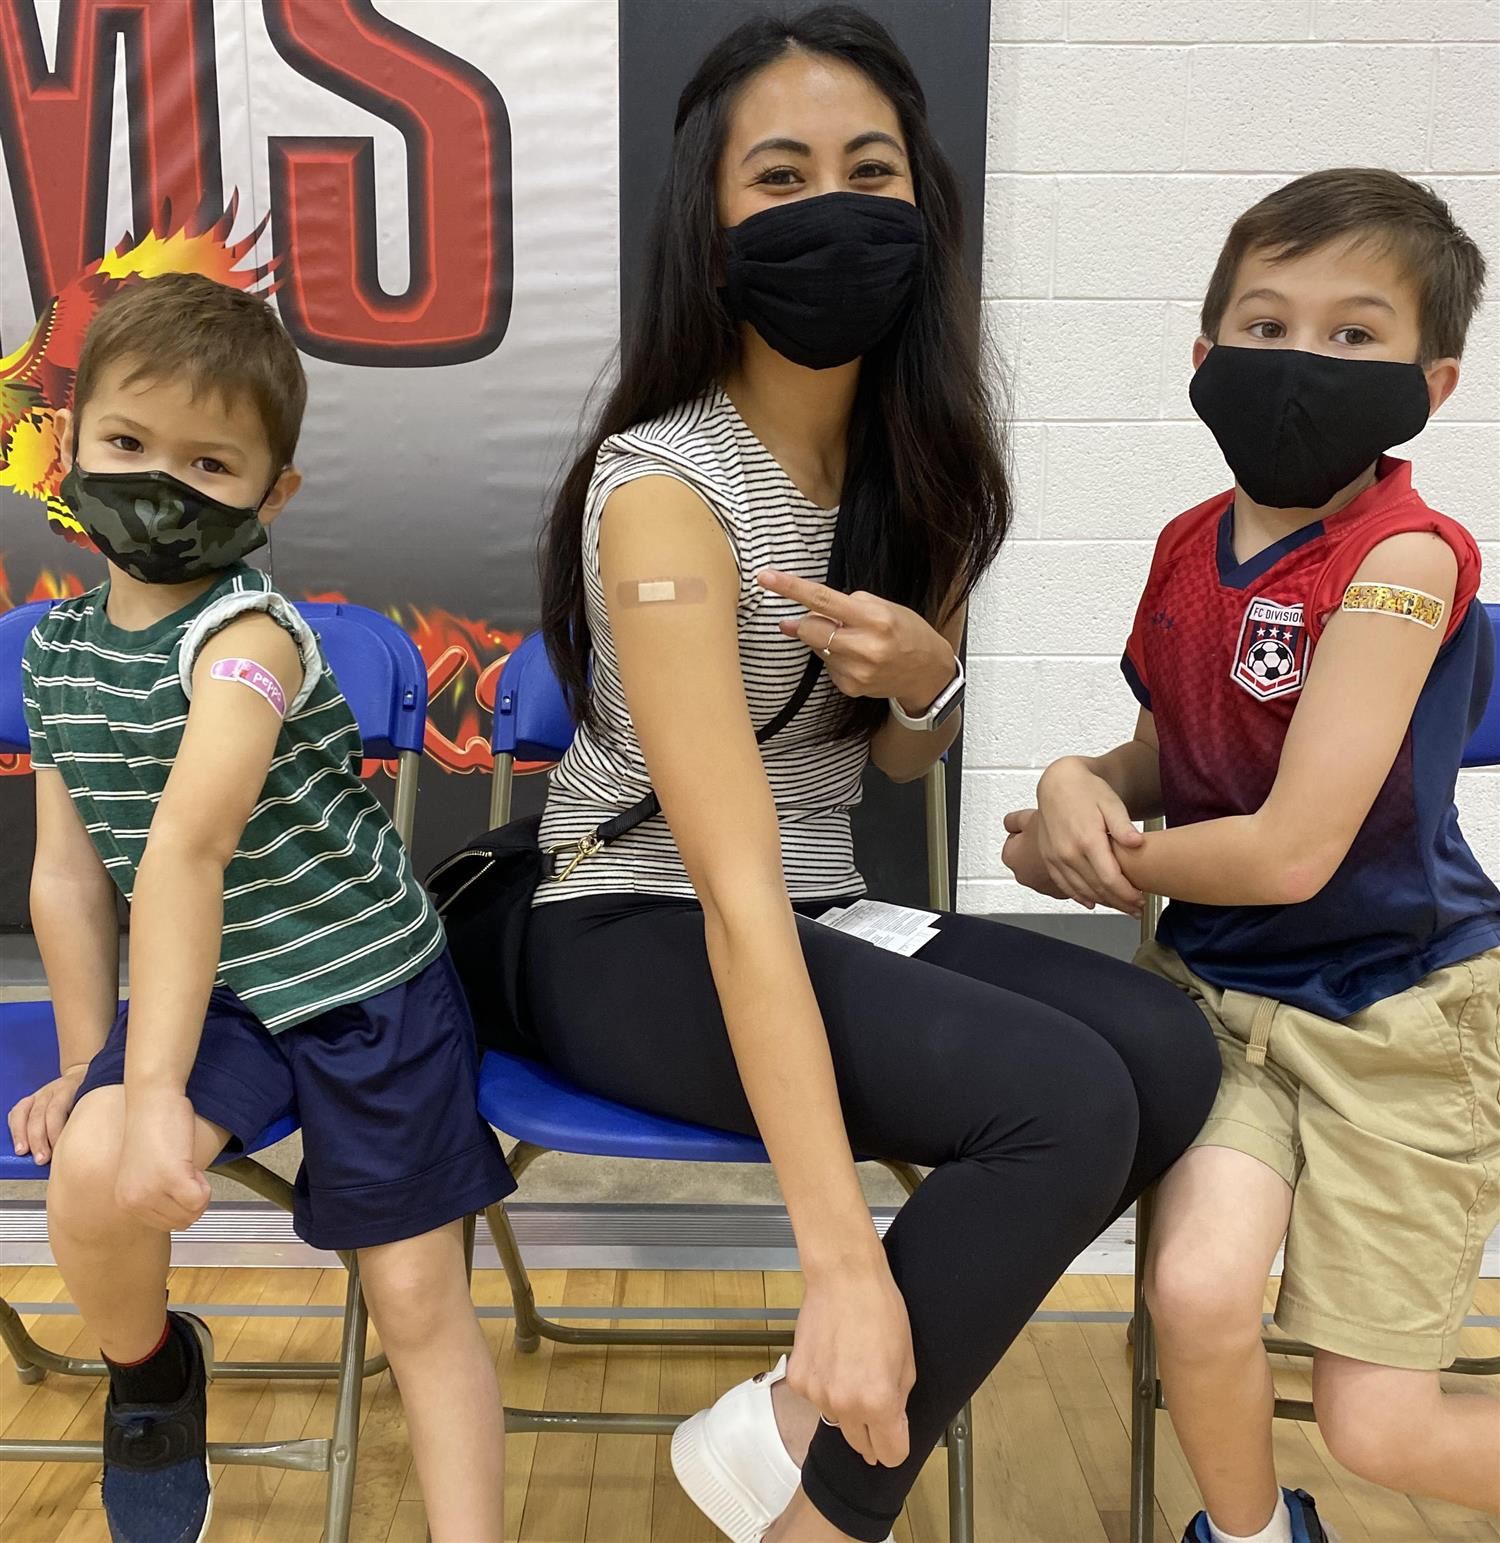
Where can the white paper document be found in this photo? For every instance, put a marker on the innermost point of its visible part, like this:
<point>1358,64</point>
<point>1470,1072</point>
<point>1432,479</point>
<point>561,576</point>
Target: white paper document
<point>898,928</point>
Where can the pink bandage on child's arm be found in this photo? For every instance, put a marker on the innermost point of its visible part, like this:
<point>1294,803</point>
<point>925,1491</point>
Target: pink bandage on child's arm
<point>253,675</point>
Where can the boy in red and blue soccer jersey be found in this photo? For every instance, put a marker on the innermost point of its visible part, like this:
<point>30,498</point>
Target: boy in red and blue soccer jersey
<point>1310,659</point>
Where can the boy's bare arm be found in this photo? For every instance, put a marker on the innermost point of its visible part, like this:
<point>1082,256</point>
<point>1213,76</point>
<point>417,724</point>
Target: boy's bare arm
<point>74,915</point>
<point>1355,710</point>
<point>177,910</point>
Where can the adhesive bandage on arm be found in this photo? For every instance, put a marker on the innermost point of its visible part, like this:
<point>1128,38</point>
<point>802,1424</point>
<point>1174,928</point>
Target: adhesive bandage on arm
<point>1396,600</point>
<point>638,592</point>
<point>255,676</point>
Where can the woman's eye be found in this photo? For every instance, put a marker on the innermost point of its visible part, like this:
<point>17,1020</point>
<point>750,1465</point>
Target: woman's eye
<point>871,169</point>
<point>127,442</point>
<point>1266,329</point>
<point>1354,337</point>
<point>779,177</point>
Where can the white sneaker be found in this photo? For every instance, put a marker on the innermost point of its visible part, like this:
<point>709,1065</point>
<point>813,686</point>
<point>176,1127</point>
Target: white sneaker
<point>732,1464</point>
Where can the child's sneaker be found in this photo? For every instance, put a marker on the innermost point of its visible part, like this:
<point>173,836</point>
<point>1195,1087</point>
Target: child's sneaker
<point>730,1460</point>
<point>1306,1528</point>
<point>156,1484</point>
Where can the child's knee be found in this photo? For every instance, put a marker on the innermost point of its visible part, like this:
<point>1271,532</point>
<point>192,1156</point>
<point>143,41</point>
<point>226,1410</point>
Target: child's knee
<point>81,1186</point>
<point>412,1285</point>
<point>1197,1303</point>
<point>1371,1441</point>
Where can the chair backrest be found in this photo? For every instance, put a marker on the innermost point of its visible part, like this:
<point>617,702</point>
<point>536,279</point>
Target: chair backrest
<point>1483,748</point>
<point>532,721</point>
<point>380,672</point>
<point>15,627</point>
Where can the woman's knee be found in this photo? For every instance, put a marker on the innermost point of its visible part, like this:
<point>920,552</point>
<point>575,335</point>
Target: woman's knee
<point>1181,1055</point>
<point>1087,1108</point>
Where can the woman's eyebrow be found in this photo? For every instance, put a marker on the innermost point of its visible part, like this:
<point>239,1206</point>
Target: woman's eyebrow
<point>873,137</point>
<point>791,146</point>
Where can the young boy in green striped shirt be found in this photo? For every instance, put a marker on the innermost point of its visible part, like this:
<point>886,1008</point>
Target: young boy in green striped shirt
<point>191,749</point>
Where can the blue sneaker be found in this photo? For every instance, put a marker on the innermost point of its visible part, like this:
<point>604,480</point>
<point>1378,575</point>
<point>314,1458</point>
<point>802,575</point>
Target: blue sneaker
<point>156,1486</point>
<point>1306,1528</point>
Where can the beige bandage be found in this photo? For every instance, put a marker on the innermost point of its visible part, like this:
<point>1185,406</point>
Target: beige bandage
<point>1395,600</point>
<point>662,592</point>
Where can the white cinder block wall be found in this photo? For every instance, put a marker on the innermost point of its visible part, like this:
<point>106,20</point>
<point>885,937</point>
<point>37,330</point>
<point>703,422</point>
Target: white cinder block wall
<point>1124,136</point>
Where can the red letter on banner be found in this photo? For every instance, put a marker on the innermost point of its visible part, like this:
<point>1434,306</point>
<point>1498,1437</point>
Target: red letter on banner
<point>55,125</point>
<point>457,133</point>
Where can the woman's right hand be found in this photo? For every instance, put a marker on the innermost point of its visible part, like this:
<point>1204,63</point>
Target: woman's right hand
<point>852,1360</point>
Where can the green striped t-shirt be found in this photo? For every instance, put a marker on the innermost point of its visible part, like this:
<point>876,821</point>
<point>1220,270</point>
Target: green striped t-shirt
<point>320,906</point>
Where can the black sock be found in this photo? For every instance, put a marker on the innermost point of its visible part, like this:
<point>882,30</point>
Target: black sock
<point>162,1378</point>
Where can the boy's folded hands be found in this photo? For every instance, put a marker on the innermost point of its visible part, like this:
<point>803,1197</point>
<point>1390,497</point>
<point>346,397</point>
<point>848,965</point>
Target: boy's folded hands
<point>1065,847</point>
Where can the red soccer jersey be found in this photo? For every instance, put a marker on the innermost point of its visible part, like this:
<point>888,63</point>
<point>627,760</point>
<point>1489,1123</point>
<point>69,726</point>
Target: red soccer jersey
<point>1218,654</point>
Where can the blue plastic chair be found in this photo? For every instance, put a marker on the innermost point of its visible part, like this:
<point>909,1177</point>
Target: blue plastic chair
<point>382,676</point>
<point>1483,749</point>
<point>546,1113</point>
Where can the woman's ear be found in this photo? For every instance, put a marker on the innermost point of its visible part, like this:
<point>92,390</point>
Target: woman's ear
<point>1201,347</point>
<point>283,491</point>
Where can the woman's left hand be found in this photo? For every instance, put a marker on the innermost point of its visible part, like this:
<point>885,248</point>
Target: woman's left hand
<point>870,647</point>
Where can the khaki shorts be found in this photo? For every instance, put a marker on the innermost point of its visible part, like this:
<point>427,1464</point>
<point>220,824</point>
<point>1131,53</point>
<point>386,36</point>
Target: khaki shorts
<point>1387,1127</point>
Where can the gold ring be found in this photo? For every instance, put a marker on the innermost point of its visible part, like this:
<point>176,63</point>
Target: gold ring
<point>827,649</point>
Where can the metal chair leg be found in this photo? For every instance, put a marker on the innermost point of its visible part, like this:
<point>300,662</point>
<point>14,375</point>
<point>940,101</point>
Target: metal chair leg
<point>1145,1391</point>
<point>343,1454</point>
<point>961,1477</point>
<point>528,1325</point>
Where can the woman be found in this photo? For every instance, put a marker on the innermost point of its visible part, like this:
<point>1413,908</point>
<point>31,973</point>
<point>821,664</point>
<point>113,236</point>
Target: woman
<point>808,362</point>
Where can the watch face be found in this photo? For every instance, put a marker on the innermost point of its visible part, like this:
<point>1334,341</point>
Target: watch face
<point>951,706</point>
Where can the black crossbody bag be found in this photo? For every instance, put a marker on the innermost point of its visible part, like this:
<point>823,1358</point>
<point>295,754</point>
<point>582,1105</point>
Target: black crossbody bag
<point>484,892</point>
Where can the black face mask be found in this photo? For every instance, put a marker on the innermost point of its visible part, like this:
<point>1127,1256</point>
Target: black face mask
<point>1296,427</point>
<point>824,279</point>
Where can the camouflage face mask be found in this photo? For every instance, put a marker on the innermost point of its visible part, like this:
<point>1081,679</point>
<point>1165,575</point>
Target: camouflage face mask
<point>157,528</point>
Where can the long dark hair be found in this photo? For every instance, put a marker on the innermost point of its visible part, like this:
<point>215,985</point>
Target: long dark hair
<point>925,502</point>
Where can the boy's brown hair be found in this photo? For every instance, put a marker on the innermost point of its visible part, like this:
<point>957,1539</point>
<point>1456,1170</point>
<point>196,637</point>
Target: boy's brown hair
<point>1401,217</point>
<point>219,339</point>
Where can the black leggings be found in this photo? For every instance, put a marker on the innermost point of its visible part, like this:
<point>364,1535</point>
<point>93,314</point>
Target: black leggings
<point>1046,1086</point>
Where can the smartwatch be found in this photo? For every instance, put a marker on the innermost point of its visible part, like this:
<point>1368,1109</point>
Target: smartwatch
<point>948,701</point>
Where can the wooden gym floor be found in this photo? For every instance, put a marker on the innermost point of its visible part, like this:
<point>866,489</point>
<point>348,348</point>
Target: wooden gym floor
<point>1051,1426</point>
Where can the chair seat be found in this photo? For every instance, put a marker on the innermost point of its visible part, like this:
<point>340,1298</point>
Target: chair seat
<point>28,1058</point>
<point>532,1102</point>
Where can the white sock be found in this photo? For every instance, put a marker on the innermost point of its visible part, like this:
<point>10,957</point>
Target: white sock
<point>1277,1530</point>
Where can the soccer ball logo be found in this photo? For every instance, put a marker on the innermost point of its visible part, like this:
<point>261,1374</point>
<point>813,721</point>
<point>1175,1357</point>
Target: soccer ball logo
<point>1270,660</point>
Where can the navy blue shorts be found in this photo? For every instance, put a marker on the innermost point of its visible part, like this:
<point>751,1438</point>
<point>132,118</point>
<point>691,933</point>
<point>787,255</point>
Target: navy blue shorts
<point>392,1143</point>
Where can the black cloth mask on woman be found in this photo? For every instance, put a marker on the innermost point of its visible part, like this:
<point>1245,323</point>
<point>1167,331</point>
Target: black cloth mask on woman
<point>1297,427</point>
<point>824,279</point>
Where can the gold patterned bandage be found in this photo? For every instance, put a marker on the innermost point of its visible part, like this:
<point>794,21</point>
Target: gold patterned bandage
<point>1413,604</point>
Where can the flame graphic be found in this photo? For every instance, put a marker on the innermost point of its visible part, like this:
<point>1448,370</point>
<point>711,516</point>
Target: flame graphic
<point>37,379</point>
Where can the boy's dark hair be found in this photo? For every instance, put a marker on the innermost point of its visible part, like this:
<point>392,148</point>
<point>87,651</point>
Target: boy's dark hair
<point>1401,217</point>
<point>217,338</point>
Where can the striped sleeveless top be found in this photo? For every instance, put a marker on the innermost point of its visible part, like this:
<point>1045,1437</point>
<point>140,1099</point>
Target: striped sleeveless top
<point>320,905</point>
<point>814,776</point>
